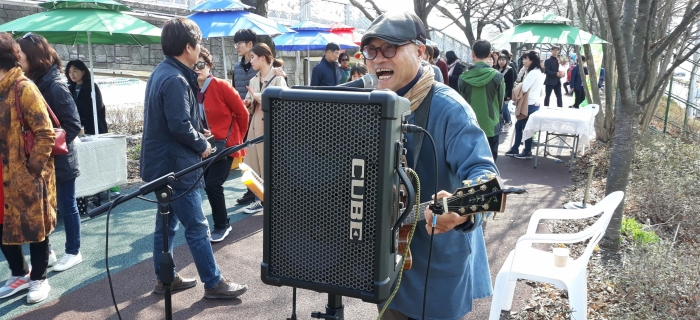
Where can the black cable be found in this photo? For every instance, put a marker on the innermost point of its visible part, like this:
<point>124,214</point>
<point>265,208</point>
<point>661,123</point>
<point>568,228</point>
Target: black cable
<point>109,275</point>
<point>146,199</point>
<point>216,158</point>
<point>435,207</point>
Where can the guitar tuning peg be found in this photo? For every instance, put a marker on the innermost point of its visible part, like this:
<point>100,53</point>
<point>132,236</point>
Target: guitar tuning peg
<point>490,176</point>
<point>472,218</point>
<point>467,183</point>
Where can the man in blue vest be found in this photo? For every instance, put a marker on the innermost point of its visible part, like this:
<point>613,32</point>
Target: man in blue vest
<point>327,72</point>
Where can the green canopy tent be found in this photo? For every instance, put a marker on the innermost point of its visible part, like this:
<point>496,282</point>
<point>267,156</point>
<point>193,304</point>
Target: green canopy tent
<point>86,22</point>
<point>546,33</point>
<point>544,27</point>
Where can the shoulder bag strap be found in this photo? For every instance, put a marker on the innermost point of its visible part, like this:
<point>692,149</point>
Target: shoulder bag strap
<point>421,120</point>
<point>19,111</point>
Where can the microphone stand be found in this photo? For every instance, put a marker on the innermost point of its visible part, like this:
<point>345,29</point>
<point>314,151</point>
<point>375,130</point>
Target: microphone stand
<point>164,194</point>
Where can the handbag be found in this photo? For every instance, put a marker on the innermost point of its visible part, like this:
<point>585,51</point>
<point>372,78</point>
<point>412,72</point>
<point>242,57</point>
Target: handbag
<point>221,144</point>
<point>59,145</point>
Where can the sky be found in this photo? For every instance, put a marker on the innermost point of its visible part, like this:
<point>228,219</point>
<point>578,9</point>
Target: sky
<point>433,20</point>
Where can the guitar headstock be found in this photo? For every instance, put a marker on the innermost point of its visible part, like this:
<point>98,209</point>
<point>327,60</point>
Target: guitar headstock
<point>478,196</point>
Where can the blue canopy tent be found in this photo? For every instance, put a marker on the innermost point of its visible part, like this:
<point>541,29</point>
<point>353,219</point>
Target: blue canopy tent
<point>214,5</point>
<point>222,18</point>
<point>314,39</point>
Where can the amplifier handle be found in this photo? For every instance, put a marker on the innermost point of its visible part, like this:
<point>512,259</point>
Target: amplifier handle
<point>410,199</point>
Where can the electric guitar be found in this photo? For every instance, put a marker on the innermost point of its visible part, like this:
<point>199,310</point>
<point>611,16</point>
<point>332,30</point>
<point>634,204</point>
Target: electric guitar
<point>486,195</point>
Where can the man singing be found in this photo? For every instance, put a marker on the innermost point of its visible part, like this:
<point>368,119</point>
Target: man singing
<point>173,139</point>
<point>393,46</point>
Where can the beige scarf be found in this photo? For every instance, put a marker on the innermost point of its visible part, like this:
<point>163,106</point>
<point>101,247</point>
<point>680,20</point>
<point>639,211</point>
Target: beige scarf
<point>420,90</point>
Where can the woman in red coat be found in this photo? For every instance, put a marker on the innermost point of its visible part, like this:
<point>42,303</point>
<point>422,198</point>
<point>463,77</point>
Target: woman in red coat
<point>227,119</point>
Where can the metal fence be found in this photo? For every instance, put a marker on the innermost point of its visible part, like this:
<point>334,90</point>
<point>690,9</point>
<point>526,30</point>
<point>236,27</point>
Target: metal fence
<point>679,114</point>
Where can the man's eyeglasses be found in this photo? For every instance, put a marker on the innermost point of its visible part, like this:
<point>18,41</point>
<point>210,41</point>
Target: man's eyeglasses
<point>200,65</point>
<point>29,35</point>
<point>388,50</point>
<point>238,44</point>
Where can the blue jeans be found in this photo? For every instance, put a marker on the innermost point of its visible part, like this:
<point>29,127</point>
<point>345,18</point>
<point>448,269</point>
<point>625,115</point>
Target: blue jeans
<point>505,113</point>
<point>188,211</point>
<point>68,209</point>
<point>519,127</point>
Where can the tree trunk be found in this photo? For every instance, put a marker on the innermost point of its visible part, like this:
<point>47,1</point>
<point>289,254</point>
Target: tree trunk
<point>604,120</point>
<point>260,6</point>
<point>638,49</point>
<point>606,134</point>
<point>422,9</point>
<point>592,95</point>
<point>626,122</point>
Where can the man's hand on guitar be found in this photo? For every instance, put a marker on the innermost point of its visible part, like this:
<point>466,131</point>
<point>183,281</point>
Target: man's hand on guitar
<point>446,221</point>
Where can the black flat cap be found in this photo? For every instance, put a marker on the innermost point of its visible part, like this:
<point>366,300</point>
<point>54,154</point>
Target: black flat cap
<point>395,28</point>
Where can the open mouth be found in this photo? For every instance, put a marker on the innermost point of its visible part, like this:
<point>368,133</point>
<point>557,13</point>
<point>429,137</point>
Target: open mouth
<point>384,74</point>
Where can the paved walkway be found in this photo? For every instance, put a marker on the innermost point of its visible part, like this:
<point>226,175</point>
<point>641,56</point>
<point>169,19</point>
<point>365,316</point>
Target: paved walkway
<point>83,292</point>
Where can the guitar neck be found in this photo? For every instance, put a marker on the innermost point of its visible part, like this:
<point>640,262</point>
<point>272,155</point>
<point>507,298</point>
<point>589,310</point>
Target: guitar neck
<point>411,218</point>
<point>470,200</point>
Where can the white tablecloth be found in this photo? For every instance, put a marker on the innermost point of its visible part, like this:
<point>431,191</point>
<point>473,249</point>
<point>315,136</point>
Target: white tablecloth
<point>562,120</point>
<point>102,163</point>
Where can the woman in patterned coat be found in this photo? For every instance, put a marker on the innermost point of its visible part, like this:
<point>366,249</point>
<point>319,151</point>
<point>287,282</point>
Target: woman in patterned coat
<point>28,202</point>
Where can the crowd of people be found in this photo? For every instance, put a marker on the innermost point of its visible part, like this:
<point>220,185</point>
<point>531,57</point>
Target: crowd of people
<point>465,110</point>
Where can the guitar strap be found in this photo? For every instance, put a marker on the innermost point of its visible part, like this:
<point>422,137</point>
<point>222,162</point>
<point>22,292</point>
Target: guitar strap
<point>421,119</point>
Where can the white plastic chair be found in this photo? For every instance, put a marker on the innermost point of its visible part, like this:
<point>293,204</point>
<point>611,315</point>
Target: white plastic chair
<point>594,107</point>
<point>526,262</point>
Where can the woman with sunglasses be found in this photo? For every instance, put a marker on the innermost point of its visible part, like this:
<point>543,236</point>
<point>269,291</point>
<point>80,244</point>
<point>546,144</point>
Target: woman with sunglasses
<point>262,60</point>
<point>80,87</point>
<point>41,64</point>
<point>28,189</point>
<point>227,119</point>
<point>344,67</point>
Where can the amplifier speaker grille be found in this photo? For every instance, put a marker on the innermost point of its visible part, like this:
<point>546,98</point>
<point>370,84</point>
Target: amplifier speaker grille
<point>309,195</point>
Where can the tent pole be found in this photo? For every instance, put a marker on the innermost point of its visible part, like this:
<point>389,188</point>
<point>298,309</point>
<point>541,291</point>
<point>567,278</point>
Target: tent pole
<point>308,64</point>
<point>92,84</point>
<point>223,54</point>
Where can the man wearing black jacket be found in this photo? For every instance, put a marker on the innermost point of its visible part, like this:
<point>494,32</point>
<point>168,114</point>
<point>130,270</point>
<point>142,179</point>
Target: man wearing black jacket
<point>551,67</point>
<point>173,140</point>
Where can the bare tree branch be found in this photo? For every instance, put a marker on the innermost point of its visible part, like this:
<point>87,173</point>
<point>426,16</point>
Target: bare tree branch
<point>669,72</point>
<point>364,11</point>
<point>688,18</point>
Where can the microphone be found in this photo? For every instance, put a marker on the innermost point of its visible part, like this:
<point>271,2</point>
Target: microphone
<point>368,81</point>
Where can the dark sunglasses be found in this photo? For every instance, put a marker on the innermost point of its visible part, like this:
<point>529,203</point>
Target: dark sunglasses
<point>29,35</point>
<point>200,65</point>
<point>388,50</point>
<point>345,60</point>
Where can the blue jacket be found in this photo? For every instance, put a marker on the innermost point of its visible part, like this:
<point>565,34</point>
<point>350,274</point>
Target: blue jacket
<point>326,73</point>
<point>576,81</point>
<point>459,266</point>
<point>171,125</point>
